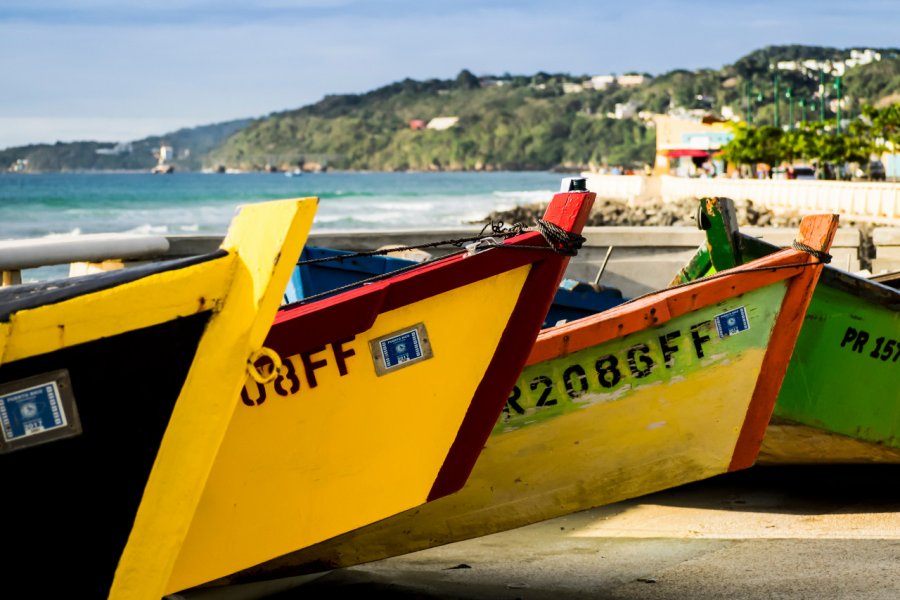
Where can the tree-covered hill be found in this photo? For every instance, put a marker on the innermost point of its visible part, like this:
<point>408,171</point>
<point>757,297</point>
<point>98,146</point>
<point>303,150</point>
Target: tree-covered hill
<point>191,146</point>
<point>541,121</point>
<point>546,121</point>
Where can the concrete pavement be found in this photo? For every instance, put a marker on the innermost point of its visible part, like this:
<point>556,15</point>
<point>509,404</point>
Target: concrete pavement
<point>823,532</point>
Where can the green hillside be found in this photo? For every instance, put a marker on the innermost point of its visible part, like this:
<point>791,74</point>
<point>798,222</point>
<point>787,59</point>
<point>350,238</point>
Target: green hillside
<point>191,145</point>
<point>541,121</point>
<point>505,122</point>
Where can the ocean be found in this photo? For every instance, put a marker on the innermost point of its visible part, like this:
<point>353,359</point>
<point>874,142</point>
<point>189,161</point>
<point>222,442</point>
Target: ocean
<point>33,206</point>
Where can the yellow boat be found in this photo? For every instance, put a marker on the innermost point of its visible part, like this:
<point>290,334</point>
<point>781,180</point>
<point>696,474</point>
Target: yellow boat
<point>116,390</point>
<point>669,388</point>
<point>384,398</point>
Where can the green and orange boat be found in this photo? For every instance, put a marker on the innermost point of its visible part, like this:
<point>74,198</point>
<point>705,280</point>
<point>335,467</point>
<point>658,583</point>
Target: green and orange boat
<point>840,401</point>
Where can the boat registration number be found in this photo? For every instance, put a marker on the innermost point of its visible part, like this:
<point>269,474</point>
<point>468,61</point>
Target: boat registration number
<point>882,348</point>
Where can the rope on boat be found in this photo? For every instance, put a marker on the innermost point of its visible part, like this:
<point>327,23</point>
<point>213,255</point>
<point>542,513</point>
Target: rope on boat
<point>497,229</point>
<point>823,257</point>
<point>817,254</point>
<point>558,240</point>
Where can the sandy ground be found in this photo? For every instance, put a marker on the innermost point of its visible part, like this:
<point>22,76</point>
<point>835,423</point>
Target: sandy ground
<point>823,532</point>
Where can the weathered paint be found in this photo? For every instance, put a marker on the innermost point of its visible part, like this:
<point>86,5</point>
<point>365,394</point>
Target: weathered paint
<point>844,373</point>
<point>333,445</point>
<point>676,424</point>
<point>844,376</point>
<point>789,443</point>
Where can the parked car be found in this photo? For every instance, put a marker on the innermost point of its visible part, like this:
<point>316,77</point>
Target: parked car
<point>877,171</point>
<point>872,171</point>
<point>801,172</point>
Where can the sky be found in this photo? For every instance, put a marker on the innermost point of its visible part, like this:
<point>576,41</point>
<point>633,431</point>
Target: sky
<point>118,70</point>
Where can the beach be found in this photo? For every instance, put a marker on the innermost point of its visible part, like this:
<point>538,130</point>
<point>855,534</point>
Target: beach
<point>826,532</point>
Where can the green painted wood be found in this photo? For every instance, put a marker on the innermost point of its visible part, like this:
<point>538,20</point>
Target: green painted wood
<point>844,374</point>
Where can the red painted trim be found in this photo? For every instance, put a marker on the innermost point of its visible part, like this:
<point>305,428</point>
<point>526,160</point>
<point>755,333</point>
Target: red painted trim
<point>569,211</point>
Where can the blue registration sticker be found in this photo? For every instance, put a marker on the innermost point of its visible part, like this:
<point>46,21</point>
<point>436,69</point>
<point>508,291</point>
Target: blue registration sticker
<point>400,349</point>
<point>732,322</point>
<point>31,411</point>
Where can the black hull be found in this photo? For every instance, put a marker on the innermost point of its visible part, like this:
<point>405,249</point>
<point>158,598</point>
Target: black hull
<point>69,504</point>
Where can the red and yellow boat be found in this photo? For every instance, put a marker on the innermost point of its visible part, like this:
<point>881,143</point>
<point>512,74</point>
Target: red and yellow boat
<point>385,396</point>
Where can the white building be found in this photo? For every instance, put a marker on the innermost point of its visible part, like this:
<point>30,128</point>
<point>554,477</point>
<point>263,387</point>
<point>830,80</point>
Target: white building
<point>441,123</point>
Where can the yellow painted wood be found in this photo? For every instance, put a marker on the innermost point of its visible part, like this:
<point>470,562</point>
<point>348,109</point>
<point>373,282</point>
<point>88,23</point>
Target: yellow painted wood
<point>793,444</point>
<point>147,301</point>
<point>264,242</point>
<point>356,448</point>
<point>653,438</point>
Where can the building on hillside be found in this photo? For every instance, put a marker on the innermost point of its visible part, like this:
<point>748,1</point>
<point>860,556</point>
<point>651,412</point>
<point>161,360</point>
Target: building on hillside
<point>20,166</point>
<point>631,80</point>
<point>625,110</point>
<point>163,156</point>
<point>416,124</point>
<point>690,147</point>
<point>441,123</point>
<point>599,82</point>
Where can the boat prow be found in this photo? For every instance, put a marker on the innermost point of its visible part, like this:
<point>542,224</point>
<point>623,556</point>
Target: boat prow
<point>850,335</point>
<point>386,395</point>
<point>115,394</point>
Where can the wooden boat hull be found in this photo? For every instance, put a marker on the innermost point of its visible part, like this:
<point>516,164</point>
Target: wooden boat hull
<point>844,378</point>
<point>111,388</point>
<point>657,392</point>
<point>351,432</point>
<point>840,401</point>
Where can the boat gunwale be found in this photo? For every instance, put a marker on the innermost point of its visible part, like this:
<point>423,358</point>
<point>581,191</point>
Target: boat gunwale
<point>663,305</point>
<point>29,296</point>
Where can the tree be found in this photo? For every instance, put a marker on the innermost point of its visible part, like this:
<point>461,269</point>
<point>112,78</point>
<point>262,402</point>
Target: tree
<point>467,81</point>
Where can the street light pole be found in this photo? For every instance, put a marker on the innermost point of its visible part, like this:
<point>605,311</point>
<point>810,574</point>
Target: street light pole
<point>837,86</point>
<point>821,96</point>
<point>747,103</point>
<point>789,94</point>
<point>776,99</point>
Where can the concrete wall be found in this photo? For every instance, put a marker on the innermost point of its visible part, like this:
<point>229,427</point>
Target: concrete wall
<point>887,250</point>
<point>877,202</point>
<point>643,259</point>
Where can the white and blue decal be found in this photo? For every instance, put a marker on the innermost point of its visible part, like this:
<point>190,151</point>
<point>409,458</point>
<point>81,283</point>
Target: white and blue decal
<point>400,348</point>
<point>36,410</point>
<point>732,322</point>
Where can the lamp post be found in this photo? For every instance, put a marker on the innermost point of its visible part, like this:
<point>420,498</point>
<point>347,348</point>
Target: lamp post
<point>789,94</point>
<point>776,99</point>
<point>759,98</point>
<point>747,102</point>
<point>821,96</point>
<point>837,87</point>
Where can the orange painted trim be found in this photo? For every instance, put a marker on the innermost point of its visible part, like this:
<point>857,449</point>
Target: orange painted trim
<point>659,307</point>
<point>817,232</point>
